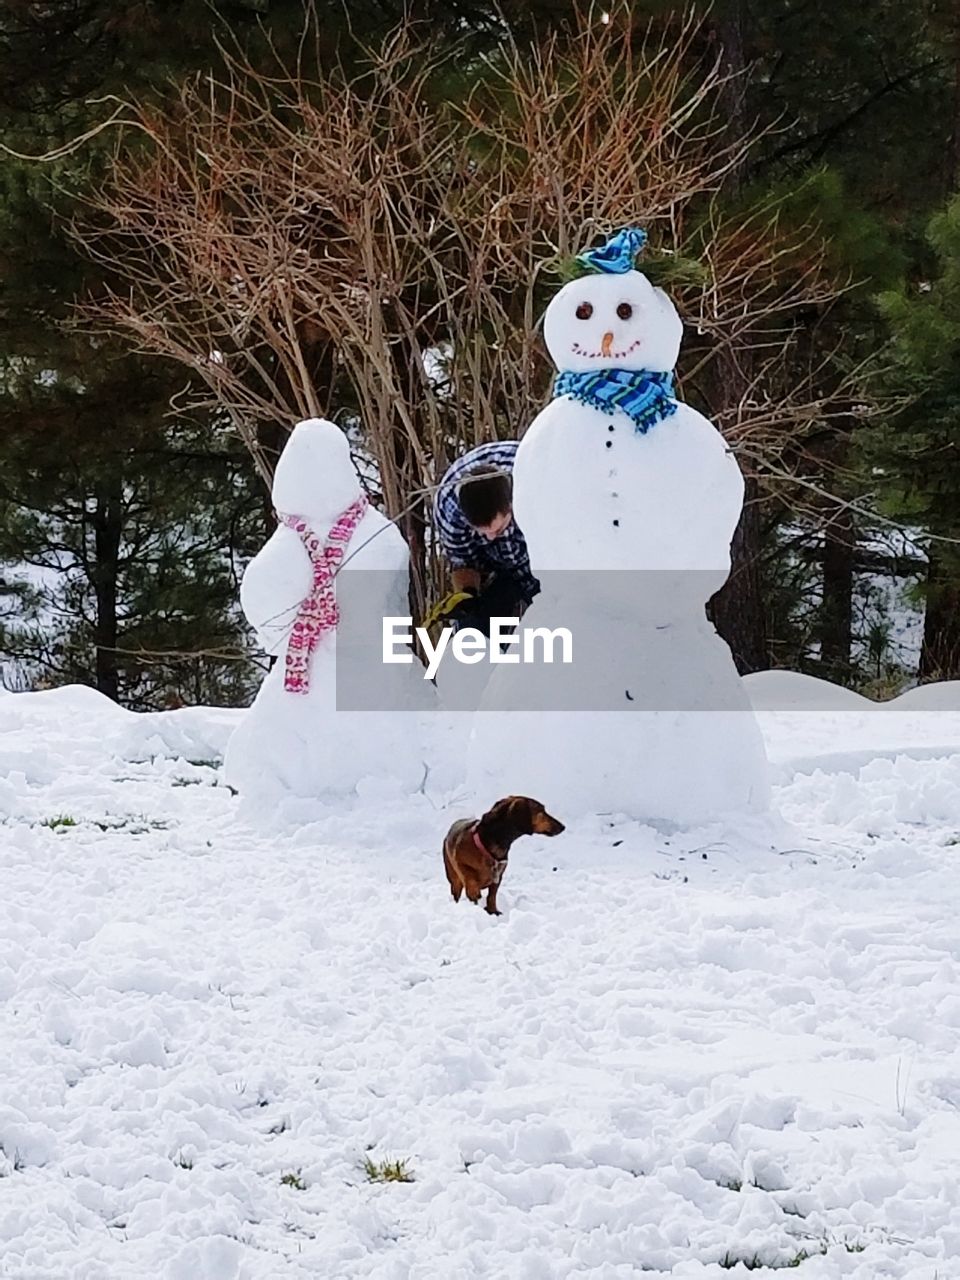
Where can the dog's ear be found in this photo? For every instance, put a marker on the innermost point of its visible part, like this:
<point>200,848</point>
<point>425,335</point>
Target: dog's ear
<point>523,814</point>
<point>512,814</point>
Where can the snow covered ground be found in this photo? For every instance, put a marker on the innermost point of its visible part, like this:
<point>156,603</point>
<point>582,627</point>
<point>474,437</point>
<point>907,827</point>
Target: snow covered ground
<point>701,1055</point>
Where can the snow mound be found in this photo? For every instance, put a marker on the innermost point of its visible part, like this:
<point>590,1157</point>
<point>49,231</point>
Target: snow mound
<point>46,734</point>
<point>74,702</point>
<point>944,695</point>
<point>189,733</point>
<point>810,724</point>
<point>793,691</point>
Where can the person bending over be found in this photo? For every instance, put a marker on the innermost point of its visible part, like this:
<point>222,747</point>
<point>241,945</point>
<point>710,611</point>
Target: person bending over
<point>479,539</point>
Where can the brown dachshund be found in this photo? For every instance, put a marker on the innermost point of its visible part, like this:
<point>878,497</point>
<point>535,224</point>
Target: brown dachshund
<point>475,849</point>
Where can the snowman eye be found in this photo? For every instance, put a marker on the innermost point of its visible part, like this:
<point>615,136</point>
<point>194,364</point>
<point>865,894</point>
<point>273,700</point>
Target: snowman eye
<point>624,311</point>
<point>585,311</point>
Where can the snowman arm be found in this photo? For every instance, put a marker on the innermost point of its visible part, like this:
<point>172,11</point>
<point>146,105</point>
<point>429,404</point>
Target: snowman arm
<point>715,486</point>
<point>276,582</point>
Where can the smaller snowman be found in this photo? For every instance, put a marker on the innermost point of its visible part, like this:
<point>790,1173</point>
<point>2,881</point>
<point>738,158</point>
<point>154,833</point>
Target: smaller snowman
<point>316,595</point>
<point>628,500</point>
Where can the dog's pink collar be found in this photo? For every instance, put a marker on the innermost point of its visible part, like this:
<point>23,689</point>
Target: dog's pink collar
<point>501,862</point>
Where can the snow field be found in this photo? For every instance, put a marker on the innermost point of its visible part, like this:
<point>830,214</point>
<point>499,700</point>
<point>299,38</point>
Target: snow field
<point>688,1055</point>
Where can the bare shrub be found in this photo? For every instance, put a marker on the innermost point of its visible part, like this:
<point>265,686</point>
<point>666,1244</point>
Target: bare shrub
<point>360,245</point>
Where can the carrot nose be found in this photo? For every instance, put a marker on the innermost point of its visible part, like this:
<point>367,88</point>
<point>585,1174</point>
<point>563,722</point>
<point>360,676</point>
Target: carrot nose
<point>606,344</point>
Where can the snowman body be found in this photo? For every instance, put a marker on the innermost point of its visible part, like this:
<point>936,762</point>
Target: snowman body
<point>629,532</point>
<point>613,506</point>
<point>330,737</point>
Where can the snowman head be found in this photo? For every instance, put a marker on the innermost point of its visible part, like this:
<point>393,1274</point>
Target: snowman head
<point>612,321</point>
<point>315,477</point>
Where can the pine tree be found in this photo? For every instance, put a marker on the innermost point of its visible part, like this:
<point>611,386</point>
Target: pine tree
<point>121,527</point>
<point>915,456</point>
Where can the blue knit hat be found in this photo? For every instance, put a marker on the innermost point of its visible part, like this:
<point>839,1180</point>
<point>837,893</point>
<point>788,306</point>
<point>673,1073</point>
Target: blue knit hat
<point>618,255</point>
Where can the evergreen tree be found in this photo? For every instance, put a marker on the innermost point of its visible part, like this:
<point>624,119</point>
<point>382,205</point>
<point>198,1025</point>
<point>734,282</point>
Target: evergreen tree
<point>915,456</point>
<point>121,527</point>
<point>123,534</point>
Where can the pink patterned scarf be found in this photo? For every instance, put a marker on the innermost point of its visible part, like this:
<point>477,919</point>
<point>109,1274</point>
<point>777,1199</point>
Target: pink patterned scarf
<point>318,613</point>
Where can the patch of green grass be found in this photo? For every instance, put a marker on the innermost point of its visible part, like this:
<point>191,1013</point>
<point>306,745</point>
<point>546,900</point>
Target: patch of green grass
<point>729,1261</point>
<point>386,1170</point>
<point>293,1180</point>
<point>135,824</point>
<point>815,1247</point>
<point>139,825</point>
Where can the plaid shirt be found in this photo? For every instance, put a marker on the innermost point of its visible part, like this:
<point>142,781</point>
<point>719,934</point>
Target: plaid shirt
<point>463,547</point>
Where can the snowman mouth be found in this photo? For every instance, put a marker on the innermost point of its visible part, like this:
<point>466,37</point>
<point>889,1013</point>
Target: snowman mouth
<point>610,355</point>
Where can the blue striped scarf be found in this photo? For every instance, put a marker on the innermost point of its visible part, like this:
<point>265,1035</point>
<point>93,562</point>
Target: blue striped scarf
<point>643,396</point>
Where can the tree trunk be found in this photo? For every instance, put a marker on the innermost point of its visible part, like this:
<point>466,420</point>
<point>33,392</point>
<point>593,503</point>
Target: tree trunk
<point>940,652</point>
<point>952,156</point>
<point>107,533</point>
<point>412,523</point>
<point>836,609</point>
<point>737,610</point>
<point>728,30</point>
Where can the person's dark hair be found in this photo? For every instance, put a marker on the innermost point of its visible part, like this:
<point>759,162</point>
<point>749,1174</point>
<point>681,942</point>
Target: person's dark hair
<point>484,493</point>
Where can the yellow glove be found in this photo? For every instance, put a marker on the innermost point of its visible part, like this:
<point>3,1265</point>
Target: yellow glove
<point>443,608</point>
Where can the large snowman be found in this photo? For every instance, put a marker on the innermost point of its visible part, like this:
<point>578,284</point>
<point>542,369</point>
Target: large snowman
<point>330,713</point>
<point>628,500</point>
